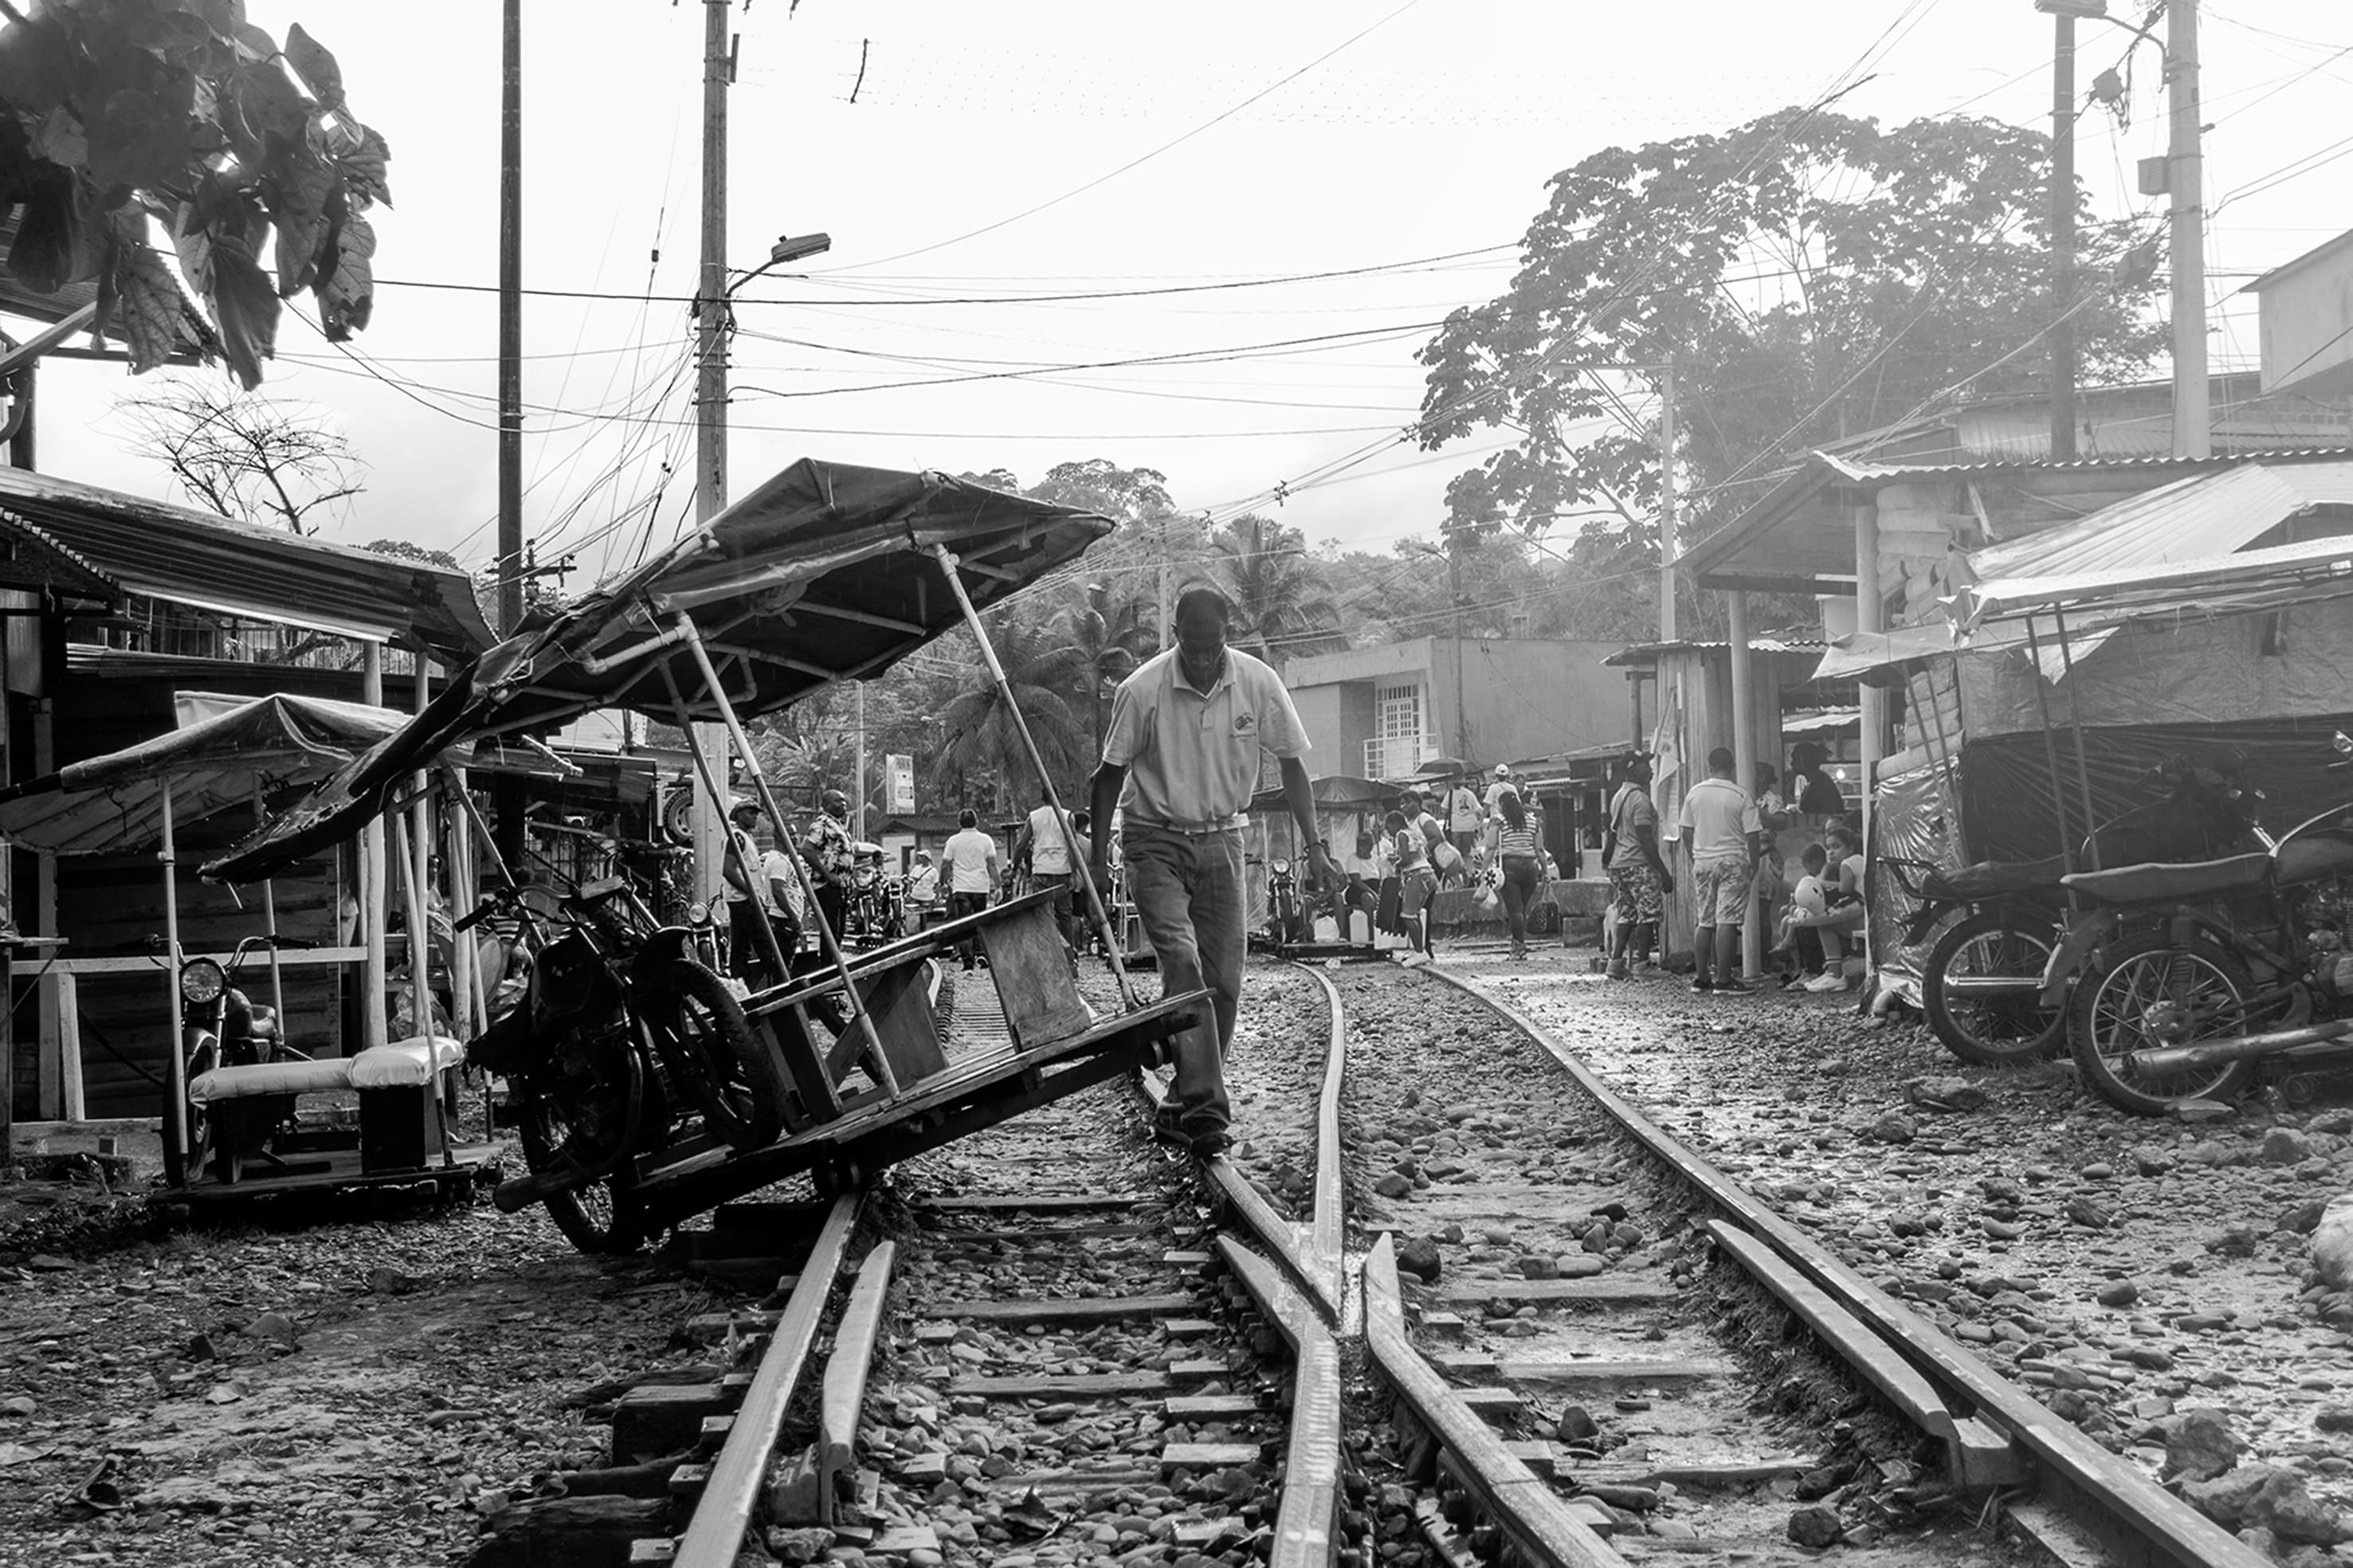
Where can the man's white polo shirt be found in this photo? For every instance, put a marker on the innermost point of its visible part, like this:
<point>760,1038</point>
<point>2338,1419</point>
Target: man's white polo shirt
<point>1192,759</point>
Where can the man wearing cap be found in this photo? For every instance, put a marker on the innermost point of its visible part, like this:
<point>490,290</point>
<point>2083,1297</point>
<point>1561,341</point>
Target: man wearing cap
<point>1180,762</point>
<point>1495,790</point>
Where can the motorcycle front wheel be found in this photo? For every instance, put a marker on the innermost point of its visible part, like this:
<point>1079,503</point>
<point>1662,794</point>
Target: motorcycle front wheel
<point>1993,1030</point>
<point>728,1070</point>
<point>602,1216</point>
<point>202,1060</point>
<point>2150,994</point>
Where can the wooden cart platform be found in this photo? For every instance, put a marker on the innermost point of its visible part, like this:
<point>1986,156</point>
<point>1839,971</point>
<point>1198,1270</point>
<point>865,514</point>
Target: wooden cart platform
<point>978,1091</point>
<point>311,1173</point>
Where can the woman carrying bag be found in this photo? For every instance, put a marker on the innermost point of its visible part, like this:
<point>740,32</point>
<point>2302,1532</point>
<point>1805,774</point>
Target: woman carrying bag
<point>1523,861</point>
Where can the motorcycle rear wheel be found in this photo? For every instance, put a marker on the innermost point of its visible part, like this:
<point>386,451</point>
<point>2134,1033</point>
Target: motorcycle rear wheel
<point>2148,993</point>
<point>1999,1031</point>
<point>729,1071</point>
<point>603,1217</point>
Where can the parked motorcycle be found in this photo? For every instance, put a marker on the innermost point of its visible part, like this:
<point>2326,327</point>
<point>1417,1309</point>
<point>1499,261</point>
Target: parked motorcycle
<point>1286,921</point>
<point>220,1026</point>
<point>624,1040</point>
<point>1994,983</point>
<point>2239,959</point>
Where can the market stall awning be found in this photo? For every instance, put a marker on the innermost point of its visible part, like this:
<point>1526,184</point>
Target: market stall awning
<point>196,558</point>
<point>108,804</point>
<point>2196,589</point>
<point>2204,516</point>
<point>823,573</point>
<point>1338,792</point>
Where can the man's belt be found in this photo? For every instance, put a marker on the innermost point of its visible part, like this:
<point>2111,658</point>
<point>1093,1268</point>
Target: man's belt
<point>1186,829</point>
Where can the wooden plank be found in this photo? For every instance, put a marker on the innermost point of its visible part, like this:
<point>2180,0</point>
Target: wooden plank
<point>1579,1373</point>
<point>787,1030</point>
<point>291,958</point>
<point>1090,1310</point>
<point>1207,1456</point>
<point>900,1005</point>
<point>1603,1290</point>
<point>1034,984</point>
<point>843,1394</point>
<point>69,991</point>
<point>1210,1406</point>
<point>1041,1202</point>
<point>1068,1387</point>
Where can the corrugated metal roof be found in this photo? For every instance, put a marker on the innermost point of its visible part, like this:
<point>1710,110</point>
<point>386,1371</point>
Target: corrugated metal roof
<point>2204,515</point>
<point>236,568</point>
<point>1644,652</point>
<point>1860,469</point>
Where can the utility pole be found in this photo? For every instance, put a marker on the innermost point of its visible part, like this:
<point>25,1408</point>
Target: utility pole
<point>1167,634</point>
<point>2063,223</point>
<point>510,325</point>
<point>1667,550</point>
<point>709,817</point>
<point>1454,586</point>
<point>858,795</point>
<point>2185,180</point>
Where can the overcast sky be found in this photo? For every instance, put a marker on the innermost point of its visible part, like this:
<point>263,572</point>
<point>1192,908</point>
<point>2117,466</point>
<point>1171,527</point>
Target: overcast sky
<point>1020,148</point>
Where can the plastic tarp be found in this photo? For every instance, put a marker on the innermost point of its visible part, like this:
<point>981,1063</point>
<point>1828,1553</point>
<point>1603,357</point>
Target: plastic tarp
<point>114,803</point>
<point>1914,816</point>
<point>2010,810</point>
<point>2220,584</point>
<point>821,574</point>
<point>2205,515</point>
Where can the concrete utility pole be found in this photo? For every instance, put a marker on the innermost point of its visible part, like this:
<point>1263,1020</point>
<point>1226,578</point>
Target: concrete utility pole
<point>2185,181</point>
<point>858,795</point>
<point>2063,223</point>
<point>511,324</point>
<point>709,817</point>
<point>1667,547</point>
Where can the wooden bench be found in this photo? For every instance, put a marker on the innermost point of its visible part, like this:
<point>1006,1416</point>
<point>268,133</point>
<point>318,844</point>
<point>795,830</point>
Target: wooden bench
<point>1027,962</point>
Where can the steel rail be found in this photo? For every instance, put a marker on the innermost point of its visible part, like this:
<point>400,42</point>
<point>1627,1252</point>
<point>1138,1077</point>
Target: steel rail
<point>739,1474</point>
<point>1526,1508</point>
<point>2129,1514</point>
<point>1307,1521</point>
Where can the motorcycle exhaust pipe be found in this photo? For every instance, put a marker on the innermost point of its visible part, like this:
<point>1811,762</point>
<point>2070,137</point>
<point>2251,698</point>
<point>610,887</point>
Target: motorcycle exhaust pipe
<point>1980,987</point>
<point>2216,1053</point>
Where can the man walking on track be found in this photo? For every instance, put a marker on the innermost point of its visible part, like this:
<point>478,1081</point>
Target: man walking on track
<point>1045,848</point>
<point>1721,826</point>
<point>970,857</point>
<point>1638,878</point>
<point>1180,761</point>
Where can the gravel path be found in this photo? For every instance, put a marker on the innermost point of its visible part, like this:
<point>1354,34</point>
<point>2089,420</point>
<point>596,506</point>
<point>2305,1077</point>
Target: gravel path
<point>2129,1270</point>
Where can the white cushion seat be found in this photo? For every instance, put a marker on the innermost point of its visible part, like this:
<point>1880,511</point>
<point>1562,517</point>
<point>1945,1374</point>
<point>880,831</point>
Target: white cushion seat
<point>290,1074</point>
<point>404,1064</point>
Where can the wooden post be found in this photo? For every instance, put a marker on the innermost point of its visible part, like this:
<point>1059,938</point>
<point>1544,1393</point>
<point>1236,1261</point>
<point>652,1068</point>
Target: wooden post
<point>373,1030</point>
<point>467,1002</point>
<point>269,921</point>
<point>417,870</point>
<point>175,1074</point>
<point>68,990</point>
<point>1744,758</point>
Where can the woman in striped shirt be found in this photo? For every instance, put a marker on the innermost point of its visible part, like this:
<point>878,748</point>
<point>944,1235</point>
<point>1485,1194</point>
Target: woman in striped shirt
<point>1522,858</point>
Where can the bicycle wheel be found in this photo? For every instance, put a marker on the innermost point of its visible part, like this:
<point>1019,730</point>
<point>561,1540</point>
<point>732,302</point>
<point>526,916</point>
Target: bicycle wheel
<point>730,1072</point>
<point>1992,1030</point>
<point>2149,995</point>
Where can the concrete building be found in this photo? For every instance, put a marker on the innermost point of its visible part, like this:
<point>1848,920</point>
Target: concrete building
<point>1381,713</point>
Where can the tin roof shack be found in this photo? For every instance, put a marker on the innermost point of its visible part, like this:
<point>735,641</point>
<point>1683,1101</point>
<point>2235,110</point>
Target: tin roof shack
<point>114,607</point>
<point>1382,712</point>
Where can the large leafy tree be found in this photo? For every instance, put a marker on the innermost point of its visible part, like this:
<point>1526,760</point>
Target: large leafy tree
<point>980,754</point>
<point>124,120</point>
<point>1812,276</point>
<point>1108,632</point>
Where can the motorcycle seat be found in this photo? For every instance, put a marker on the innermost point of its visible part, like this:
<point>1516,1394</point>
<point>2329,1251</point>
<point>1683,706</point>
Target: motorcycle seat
<point>1994,879</point>
<point>2161,882</point>
<point>288,1075</point>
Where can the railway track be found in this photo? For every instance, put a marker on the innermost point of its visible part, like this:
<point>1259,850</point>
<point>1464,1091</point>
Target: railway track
<point>1582,1345</point>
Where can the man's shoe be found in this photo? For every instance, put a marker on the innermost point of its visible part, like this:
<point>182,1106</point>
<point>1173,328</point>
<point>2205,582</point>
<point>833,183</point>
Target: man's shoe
<point>1700,983</point>
<point>1736,988</point>
<point>1211,1144</point>
<point>1827,982</point>
<point>1618,970</point>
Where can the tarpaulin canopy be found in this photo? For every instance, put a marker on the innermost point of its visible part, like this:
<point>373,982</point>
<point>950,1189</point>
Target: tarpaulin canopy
<point>823,573</point>
<point>2205,586</point>
<point>1336,791</point>
<point>115,803</point>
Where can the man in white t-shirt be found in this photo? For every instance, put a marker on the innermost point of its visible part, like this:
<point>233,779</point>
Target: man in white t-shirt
<point>970,862</point>
<point>1466,818</point>
<point>747,901</point>
<point>1045,846</point>
<point>1722,830</point>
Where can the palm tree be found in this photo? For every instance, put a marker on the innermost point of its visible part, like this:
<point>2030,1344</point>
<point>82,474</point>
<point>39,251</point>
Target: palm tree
<point>1278,595</point>
<point>1109,633</point>
<point>979,745</point>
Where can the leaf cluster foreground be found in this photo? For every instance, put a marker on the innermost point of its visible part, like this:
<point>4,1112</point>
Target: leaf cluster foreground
<point>128,118</point>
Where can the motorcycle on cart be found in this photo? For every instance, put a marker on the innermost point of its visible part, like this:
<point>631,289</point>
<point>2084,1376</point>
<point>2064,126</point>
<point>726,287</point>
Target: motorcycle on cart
<point>647,1104</point>
<point>625,1043</point>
